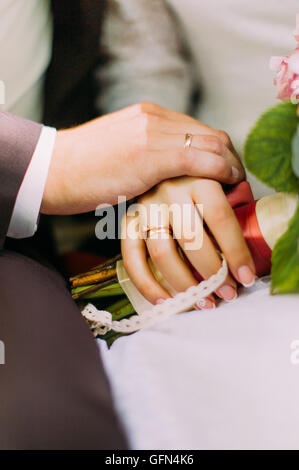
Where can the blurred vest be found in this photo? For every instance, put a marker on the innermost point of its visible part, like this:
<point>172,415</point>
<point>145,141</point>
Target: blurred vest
<point>70,87</point>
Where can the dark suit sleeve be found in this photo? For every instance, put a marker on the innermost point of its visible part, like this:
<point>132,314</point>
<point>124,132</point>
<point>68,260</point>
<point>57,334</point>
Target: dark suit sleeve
<point>18,139</point>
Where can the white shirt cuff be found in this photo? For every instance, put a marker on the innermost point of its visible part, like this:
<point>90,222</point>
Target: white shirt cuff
<point>25,215</point>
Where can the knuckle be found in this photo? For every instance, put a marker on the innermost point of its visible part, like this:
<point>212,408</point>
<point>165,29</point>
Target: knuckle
<point>221,168</point>
<point>149,290</point>
<point>214,143</point>
<point>137,108</point>
<point>165,189</point>
<point>186,239</point>
<point>222,214</point>
<point>218,168</point>
<point>209,185</point>
<point>241,257</point>
<point>224,137</point>
<point>148,107</point>
<point>159,251</point>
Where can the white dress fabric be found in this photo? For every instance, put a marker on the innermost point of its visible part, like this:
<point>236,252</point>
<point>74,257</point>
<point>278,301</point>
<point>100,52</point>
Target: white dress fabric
<point>227,378</point>
<point>221,379</point>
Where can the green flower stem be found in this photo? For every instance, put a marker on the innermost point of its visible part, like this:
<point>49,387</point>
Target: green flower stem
<point>113,290</point>
<point>118,305</point>
<point>123,312</point>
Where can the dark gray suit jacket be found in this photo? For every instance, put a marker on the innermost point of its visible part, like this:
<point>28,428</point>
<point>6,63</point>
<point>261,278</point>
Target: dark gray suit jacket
<point>69,94</point>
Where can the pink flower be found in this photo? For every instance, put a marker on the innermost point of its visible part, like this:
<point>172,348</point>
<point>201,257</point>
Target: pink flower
<point>287,72</point>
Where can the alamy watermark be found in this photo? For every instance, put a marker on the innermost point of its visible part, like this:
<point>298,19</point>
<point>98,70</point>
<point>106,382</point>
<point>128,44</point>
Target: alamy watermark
<point>184,222</point>
<point>2,353</point>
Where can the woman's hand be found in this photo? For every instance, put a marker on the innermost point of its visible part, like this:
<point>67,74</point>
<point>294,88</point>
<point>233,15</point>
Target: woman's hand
<point>220,221</point>
<point>127,153</point>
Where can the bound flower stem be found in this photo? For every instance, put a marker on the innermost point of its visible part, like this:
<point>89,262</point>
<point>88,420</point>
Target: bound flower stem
<point>79,292</point>
<point>95,278</point>
<point>109,264</point>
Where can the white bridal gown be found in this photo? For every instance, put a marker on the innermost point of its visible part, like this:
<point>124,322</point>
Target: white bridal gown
<point>227,378</point>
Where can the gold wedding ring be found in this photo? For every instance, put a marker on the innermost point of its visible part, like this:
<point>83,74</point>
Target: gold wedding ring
<point>188,141</point>
<point>159,229</point>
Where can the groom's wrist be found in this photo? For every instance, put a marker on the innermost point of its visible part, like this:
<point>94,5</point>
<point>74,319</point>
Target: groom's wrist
<point>55,193</point>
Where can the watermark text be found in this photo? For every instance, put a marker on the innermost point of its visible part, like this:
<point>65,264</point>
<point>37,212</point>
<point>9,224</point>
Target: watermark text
<point>183,222</point>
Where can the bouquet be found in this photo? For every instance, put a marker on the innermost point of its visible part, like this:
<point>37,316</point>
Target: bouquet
<point>272,154</point>
<point>270,226</point>
<point>101,286</point>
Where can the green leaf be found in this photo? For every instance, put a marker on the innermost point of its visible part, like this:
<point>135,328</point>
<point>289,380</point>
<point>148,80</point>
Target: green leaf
<point>285,260</point>
<point>295,152</point>
<point>268,151</point>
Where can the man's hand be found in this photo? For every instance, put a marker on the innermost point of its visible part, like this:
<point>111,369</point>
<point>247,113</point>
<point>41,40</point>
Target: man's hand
<point>129,152</point>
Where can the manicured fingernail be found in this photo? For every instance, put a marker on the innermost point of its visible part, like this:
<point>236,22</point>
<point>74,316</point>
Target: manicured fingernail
<point>246,276</point>
<point>235,173</point>
<point>159,301</point>
<point>227,293</point>
<point>205,304</point>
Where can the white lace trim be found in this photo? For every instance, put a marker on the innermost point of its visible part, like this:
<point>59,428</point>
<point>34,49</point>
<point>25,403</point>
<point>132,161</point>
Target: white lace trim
<point>101,321</point>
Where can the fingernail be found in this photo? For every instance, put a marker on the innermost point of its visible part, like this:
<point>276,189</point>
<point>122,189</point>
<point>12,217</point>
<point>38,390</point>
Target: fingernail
<point>204,304</point>
<point>159,301</point>
<point>235,173</point>
<point>246,276</point>
<point>227,292</point>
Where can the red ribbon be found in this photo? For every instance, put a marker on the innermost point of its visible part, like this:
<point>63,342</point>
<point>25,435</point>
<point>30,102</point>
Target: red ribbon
<point>244,205</point>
